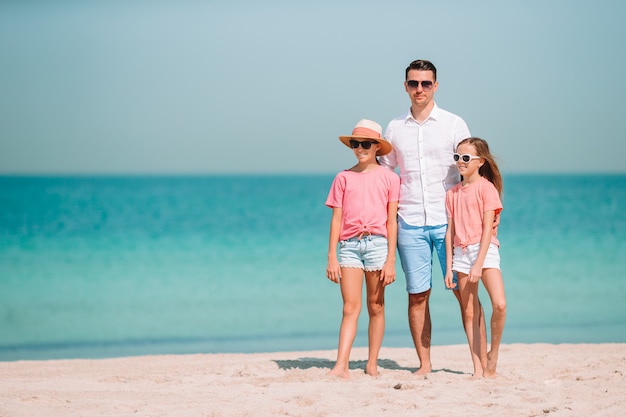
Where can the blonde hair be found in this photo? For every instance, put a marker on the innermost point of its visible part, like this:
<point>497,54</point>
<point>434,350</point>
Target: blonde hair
<point>489,169</point>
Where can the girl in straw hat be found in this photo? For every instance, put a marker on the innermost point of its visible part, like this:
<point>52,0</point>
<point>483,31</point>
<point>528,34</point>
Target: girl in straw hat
<point>364,200</point>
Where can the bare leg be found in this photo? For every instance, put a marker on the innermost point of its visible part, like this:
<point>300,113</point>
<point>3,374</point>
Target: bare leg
<point>352,292</point>
<point>376,311</point>
<point>441,253</point>
<point>421,327</point>
<point>492,279</point>
<point>470,311</point>
<point>482,326</point>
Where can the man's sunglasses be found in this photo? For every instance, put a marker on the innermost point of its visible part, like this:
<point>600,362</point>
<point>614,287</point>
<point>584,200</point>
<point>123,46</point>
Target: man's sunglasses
<point>426,85</point>
<point>465,158</point>
<point>365,145</point>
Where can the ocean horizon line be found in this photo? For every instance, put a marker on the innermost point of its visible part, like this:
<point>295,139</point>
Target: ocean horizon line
<point>273,174</point>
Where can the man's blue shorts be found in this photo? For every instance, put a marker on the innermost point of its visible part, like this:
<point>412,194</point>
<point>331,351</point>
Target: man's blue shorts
<point>415,247</point>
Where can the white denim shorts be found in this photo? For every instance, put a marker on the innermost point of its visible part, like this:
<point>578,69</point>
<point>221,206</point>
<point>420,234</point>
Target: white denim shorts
<point>464,258</point>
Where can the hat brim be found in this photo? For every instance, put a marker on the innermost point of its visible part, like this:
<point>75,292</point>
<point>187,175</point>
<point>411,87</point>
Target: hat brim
<point>385,146</point>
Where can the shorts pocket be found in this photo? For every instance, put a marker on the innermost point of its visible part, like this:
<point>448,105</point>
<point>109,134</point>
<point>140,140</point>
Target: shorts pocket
<point>350,243</point>
<point>379,241</point>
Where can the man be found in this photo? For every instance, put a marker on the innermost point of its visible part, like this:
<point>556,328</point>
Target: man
<point>423,142</point>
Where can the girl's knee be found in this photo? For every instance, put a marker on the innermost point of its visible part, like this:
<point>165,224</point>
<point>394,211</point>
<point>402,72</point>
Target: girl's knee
<point>469,313</point>
<point>499,307</point>
<point>351,309</point>
<point>375,308</point>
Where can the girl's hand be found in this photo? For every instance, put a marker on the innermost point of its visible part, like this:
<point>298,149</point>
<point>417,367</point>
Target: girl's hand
<point>474,274</point>
<point>333,271</point>
<point>388,273</point>
<point>449,280</point>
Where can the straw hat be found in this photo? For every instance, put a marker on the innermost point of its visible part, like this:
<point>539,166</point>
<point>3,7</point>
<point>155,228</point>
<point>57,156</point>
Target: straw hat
<point>368,129</point>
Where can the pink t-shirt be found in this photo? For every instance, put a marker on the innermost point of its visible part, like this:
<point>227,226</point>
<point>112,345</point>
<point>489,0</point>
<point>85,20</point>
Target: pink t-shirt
<point>466,205</point>
<point>363,198</point>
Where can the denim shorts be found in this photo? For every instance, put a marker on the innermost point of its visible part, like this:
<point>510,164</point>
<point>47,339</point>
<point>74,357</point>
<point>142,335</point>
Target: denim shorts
<point>464,258</point>
<point>415,247</point>
<point>368,253</point>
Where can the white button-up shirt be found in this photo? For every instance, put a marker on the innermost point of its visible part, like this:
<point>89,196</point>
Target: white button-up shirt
<point>423,154</point>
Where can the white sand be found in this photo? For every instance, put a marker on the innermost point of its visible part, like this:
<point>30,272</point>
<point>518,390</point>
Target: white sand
<point>535,380</point>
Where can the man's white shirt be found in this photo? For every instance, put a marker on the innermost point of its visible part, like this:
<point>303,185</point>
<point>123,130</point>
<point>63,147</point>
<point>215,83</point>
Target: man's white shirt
<point>423,153</point>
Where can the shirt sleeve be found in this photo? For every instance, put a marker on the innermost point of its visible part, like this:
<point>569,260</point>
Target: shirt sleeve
<point>394,190</point>
<point>461,131</point>
<point>337,189</point>
<point>491,198</point>
<point>389,161</point>
<point>449,210</point>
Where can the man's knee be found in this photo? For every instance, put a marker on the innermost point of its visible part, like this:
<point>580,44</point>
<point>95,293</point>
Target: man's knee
<point>419,299</point>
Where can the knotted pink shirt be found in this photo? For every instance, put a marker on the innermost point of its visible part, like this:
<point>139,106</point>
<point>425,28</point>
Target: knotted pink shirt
<point>363,198</point>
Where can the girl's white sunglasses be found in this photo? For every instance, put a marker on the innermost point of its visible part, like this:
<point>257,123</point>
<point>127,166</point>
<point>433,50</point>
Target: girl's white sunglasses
<point>465,157</point>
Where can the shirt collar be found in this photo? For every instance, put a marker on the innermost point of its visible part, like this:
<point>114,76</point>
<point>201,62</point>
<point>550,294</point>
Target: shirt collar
<point>434,114</point>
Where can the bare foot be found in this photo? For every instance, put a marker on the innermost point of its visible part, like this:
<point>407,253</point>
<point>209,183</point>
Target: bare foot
<point>492,362</point>
<point>339,373</point>
<point>371,370</point>
<point>423,370</point>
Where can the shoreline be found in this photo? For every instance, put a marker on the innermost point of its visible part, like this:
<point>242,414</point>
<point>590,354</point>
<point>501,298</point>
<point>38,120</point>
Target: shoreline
<point>535,379</point>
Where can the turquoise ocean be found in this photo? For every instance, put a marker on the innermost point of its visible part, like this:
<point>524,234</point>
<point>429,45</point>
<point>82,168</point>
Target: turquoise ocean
<point>111,266</point>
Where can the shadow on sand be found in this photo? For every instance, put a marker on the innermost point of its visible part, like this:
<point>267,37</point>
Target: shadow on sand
<point>307,363</point>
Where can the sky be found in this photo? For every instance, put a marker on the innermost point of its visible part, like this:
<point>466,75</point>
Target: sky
<point>240,86</point>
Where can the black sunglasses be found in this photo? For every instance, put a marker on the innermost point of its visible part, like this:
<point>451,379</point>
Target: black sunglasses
<point>365,144</point>
<point>426,85</point>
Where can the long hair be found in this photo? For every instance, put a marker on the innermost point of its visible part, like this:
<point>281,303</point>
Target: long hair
<point>489,169</point>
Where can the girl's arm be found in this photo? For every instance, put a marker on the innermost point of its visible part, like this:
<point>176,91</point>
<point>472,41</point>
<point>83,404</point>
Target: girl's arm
<point>476,270</point>
<point>449,253</point>
<point>388,273</point>
<point>333,270</point>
